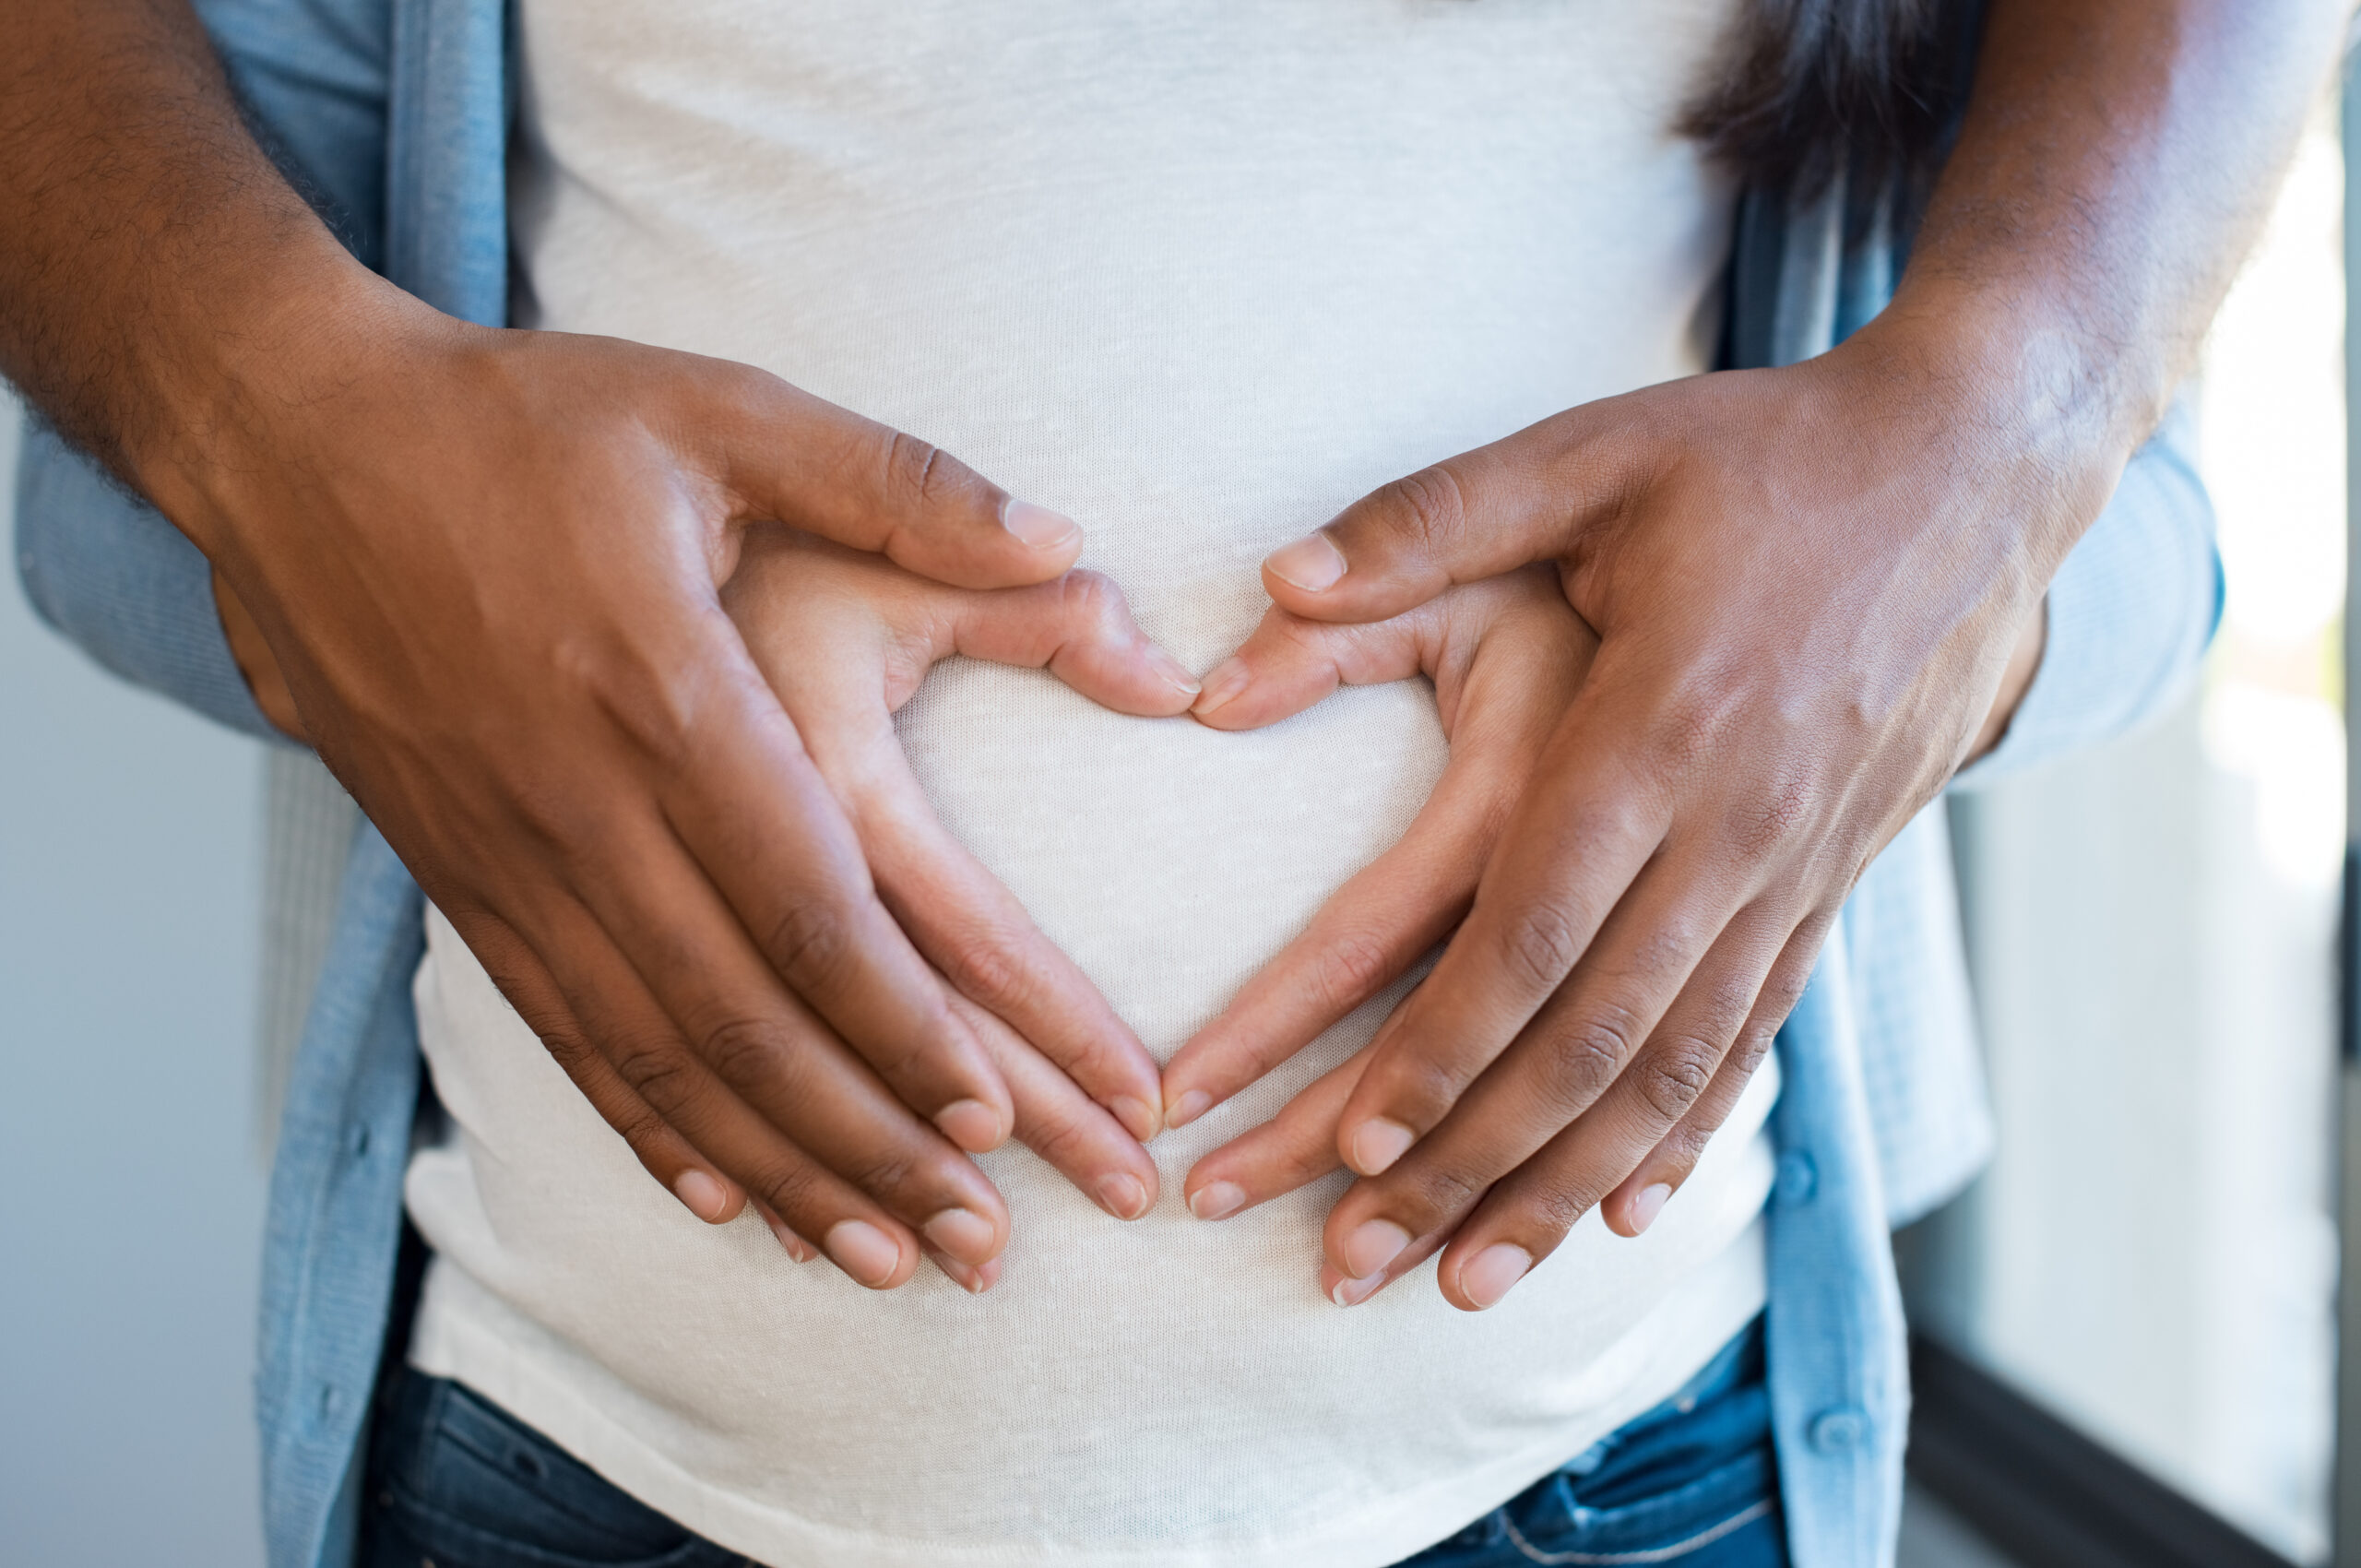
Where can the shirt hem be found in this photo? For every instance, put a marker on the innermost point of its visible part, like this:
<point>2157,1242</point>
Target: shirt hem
<point>469,1351</point>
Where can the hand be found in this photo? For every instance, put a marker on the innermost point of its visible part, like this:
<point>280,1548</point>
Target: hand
<point>488,565</point>
<point>845,639</point>
<point>1803,633</point>
<point>1507,656</point>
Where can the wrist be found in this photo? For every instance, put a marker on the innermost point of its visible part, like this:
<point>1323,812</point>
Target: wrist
<point>2032,412</point>
<point>239,392</point>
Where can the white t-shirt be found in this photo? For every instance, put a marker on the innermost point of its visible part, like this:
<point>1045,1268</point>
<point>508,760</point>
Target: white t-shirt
<point>1197,273</point>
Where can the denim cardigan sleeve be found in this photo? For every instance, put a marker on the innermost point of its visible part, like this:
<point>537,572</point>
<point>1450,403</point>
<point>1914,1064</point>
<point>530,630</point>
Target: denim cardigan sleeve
<point>104,568</point>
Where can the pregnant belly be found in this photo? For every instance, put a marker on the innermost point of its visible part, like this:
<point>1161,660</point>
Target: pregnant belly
<point>769,1401</point>
<point>1169,860</point>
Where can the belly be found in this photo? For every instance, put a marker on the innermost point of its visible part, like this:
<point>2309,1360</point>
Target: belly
<point>1159,1393</point>
<point>1198,275</point>
<point>1156,1393</point>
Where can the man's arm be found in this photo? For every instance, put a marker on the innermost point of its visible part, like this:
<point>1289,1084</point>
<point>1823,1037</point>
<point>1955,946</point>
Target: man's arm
<point>1808,584</point>
<point>487,563</point>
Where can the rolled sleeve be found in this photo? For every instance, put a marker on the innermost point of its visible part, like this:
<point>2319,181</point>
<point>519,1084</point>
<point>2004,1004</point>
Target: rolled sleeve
<point>105,569</point>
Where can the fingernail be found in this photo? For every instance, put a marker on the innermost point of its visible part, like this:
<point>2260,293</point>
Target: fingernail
<point>1122,1195</point>
<point>1353,1292</point>
<point>797,1247</point>
<point>963,1233</point>
<point>1222,682</point>
<point>1173,671</point>
<point>1217,1200</point>
<point>972,1124</point>
<point>1378,1142</point>
<point>1647,1205</point>
<point>1188,1108</point>
<point>975,1281</point>
<point>866,1253</point>
<point>1488,1275</point>
<point>1372,1245</point>
<point>1310,563</point>
<point>1038,526</point>
<point>704,1196</point>
<point>1137,1116</point>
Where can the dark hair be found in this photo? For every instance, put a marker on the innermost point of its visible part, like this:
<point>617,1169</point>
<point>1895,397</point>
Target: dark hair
<point>1812,86</point>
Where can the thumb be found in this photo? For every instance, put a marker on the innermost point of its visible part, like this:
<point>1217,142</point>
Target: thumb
<point>1522,499</point>
<point>1290,663</point>
<point>792,457</point>
<point>1079,628</point>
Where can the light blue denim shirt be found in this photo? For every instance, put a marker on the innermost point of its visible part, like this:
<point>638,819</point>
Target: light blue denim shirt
<point>396,114</point>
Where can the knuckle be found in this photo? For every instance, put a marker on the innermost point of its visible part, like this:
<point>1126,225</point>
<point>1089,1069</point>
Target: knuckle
<point>1690,728</point>
<point>1677,1155</point>
<point>1552,1209</point>
<point>1437,1193</point>
<point>1092,600</point>
<point>1666,951</point>
<point>1579,1065</point>
<point>1780,995</point>
<point>1541,948</point>
<point>1419,1089</point>
<point>789,1187</point>
<point>1729,1001</point>
<point>1779,807</point>
<point>1752,1046</point>
<point>1429,505</point>
<point>1353,967</point>
<point>915,470</point>
<point>641,1127</point>
<point>882,1172</point>
<point>1673,1075</point>
<point>1059,1138</point>
<point>661,1075</point>
<point>1620,817</point>
<point>810,945</point>
<point>987,969</point>
<point>570,1051</point>
<point>743,1050</point>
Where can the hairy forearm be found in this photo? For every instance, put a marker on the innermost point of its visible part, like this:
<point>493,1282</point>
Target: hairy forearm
<point>2118,158</point>
<point>157,273</point>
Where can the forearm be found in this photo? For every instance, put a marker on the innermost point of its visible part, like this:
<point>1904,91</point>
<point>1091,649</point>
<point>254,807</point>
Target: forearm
<point>2116,160</point>
<point>160,275</point>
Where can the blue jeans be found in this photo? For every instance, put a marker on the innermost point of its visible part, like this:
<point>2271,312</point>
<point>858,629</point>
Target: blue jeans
<point>455,1482</point>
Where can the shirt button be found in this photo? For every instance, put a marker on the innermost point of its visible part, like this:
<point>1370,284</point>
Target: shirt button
<point>1838,1431</point>
<point>1799,1179</point>
<point>357,1140</point>
<point>331,1401</point>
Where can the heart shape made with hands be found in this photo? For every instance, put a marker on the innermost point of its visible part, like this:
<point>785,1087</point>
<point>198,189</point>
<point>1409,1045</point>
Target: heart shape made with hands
<point>1505,657</point>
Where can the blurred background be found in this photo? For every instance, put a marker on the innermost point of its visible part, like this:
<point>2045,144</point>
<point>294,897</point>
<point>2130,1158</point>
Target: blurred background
<point>2152,932</point>
<point>2139,1293</point>
<point>131,1179</point>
